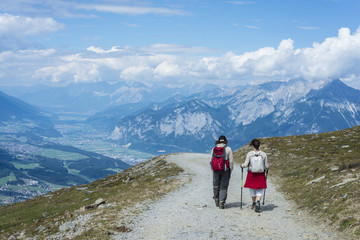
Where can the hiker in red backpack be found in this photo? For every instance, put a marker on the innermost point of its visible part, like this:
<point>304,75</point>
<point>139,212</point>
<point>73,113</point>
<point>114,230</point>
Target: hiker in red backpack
<point>257,164</point>
<point>222,162</point>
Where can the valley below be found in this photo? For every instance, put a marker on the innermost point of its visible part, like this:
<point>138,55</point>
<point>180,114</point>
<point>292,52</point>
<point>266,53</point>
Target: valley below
<point>38,165</point>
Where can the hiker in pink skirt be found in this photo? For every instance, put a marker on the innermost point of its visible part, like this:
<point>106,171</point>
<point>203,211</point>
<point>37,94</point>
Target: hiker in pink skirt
<point>257,164</point>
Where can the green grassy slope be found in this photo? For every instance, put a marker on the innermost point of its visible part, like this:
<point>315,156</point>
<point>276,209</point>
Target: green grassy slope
<point>320,172</point>
<point>43,215</point>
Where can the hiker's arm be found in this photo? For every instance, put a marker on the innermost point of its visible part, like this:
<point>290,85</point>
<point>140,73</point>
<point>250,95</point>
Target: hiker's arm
<point>266,162</point>
<point>247,161</point>
<point>231,160</point>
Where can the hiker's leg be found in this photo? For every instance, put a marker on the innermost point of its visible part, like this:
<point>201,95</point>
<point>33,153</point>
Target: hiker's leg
<point>252,194</point>
<point>253,197</point>
<point>216,184</point>
<point>224,184</point>
<point>259,194</point>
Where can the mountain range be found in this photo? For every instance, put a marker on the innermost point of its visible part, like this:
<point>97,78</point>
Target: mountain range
<point>271,109</point>
<point>167,119</point>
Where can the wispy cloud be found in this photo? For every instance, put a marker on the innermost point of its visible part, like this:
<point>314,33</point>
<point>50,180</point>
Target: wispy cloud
<point>133,25</point>
<point>25,26</point>
<point>81,9</point>
<point>251,27</point>
<point>131,10</point>
<point>159,48</point>
<point>175,48</point>
<point>308,28</point>
<point>14,29</point>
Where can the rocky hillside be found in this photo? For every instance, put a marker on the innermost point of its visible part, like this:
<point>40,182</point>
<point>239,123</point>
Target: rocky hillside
<point>92,210</point>
<point>320,172</point>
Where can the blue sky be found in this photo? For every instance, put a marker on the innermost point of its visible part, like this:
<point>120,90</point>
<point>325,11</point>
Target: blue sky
<point>175,42</point>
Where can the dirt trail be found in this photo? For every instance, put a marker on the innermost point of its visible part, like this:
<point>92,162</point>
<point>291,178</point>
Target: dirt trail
<point>190,212</point>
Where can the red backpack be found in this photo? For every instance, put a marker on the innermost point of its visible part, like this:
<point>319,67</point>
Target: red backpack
<point>218,159</point>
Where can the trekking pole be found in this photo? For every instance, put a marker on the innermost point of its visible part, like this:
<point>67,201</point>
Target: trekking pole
<point>266,173</point>
<point>242,172</point>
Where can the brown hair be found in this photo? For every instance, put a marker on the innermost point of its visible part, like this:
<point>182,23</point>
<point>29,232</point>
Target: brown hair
<point>255,143</point>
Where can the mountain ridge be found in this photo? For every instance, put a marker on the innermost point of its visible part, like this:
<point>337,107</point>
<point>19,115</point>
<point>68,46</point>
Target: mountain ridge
<point>14,109</point>
<point>272,109</point>
<point>33,119</point>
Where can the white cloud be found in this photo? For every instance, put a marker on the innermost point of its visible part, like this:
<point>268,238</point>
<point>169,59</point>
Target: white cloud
<point>137,72</point>
<point>85,9</point>
<point>175,48</point>
<point>132,25</point>
<point>335,57</point>
<point>14,29</point>
<point>100,50</point>
<point>72,71</point>
<point>17,67</point>
<point>26,26</point>
<point>251,27</point>
<point>25,55</point>
<point>308,28</point>
<point>131,10</point>
<point>166,69</point>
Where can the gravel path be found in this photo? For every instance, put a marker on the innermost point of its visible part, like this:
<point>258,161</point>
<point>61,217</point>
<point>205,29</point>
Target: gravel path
<point>190,212</point>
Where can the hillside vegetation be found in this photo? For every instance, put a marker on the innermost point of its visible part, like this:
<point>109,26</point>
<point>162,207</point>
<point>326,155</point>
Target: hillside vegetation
<point>320,172</point>
<point>92,210</point>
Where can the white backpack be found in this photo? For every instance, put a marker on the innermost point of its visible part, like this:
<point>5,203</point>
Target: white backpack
<point>257,163</point>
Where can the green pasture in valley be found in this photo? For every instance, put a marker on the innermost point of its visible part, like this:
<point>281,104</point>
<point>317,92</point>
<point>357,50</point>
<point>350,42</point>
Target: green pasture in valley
<point>61,155</point>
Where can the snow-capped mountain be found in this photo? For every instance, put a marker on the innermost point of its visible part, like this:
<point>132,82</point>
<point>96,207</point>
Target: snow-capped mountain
<point>271,109</point>
<point>259,101</point>
<point>107,119</point>
<point>333,107</point>
<point>180,127</point>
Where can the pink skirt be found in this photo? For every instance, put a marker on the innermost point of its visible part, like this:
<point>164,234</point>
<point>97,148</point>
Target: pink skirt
<point>255,180</point>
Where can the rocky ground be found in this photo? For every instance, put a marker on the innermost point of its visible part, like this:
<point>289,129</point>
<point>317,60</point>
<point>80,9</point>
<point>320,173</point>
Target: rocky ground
<point>190,212</point>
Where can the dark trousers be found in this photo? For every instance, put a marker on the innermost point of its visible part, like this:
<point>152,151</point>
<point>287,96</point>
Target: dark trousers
<point>221,184</point>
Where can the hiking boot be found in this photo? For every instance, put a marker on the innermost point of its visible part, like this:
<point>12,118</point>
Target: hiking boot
<point>222,205</point>
<point>217,201</point>
<point>257,207</point>
<point>253,205</point>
